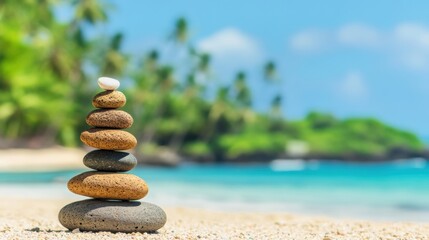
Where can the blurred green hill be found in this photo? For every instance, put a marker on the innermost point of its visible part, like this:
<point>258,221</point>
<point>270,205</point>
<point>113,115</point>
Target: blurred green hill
<point>48,70</point>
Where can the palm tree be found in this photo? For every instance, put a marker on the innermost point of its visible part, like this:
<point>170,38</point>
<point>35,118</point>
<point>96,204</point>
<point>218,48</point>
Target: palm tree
<point>188,112</point>
<point>270,74</point>
<point>242,92</point>
<point>34,86</point>
<point>114,60</point>
<point>276,105</point>
<point>204,62</point>
<point>166,79</point>
<point>154,91</point>
<point>270,70</point>
<point>90,11</point>
<point>151,60</point>
<point>221,108</point>
<point>180,32</point>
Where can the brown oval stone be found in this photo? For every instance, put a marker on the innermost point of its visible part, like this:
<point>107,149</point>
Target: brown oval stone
<point>108,185</point>
<point>109,99</point>
<point>108,139</point>
<point>109,118</point>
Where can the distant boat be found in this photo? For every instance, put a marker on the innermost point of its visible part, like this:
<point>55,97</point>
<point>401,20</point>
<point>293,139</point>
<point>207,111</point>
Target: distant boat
<point>287,165</point>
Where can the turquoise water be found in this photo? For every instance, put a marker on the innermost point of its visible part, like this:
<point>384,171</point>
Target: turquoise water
<point>393,190</point>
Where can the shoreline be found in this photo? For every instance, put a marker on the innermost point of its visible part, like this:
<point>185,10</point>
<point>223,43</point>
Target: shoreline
<point>166,198</point>
<point>40,160</point>
<point>62,159</point>
<point>37,219</point>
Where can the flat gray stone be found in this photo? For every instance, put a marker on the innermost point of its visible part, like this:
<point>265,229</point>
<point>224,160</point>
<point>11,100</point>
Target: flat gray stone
<point>112,216</point>
<point>110,161</point>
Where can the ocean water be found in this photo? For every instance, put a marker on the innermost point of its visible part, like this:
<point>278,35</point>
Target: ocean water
<point>396,190</point>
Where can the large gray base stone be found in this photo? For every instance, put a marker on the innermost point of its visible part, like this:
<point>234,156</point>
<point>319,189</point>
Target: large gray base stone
<point>112,216</point>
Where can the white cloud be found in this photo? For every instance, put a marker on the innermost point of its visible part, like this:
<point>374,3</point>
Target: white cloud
<point>407,44</point>
<point>230,44</point>
<point>358,35</point>
<point>417,61</point>
<point>412,45</point>
<point>351,35</point>
<point>412,35</point>
<point>353,86</point>
<point>308,41</point>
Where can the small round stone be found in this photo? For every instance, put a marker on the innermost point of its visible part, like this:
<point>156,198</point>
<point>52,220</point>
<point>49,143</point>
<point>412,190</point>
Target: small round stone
<point>108,139</point>
<point>107,83</point>
<point>109,118</point>
<point>112,216</point>
<point>108,185</point>
<point>110,161</point>
<point>109,99</point>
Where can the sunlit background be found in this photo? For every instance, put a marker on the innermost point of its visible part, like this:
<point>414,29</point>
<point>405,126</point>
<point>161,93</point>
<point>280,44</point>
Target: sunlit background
<point>348,59</point>
<point>309,107</point>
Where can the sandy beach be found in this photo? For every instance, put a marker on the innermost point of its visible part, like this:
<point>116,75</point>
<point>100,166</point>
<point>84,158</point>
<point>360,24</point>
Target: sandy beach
<point>47,159</point>
<point>37,219</point>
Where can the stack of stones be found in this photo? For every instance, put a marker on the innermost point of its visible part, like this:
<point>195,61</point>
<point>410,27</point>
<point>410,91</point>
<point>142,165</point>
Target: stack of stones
<point>112,208</point>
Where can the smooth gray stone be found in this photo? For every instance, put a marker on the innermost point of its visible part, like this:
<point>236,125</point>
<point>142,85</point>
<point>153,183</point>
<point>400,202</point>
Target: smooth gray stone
<point>110,161</point>
<point>112,216</point>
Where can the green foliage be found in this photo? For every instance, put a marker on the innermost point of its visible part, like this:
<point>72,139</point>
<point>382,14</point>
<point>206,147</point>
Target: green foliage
<point>198,148</point>
<point>320,120</point>
<point>329,136</point>
<point>42,68</point>
<point>252,142</point>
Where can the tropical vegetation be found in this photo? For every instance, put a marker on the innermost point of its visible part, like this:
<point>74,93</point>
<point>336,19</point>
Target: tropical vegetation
<point>48,69</point>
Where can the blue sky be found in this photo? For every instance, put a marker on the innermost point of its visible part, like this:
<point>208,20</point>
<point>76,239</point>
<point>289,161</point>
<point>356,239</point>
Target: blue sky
<point>360,58</point>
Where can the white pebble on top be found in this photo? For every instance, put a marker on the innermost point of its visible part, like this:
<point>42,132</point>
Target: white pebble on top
<point>107,83</point>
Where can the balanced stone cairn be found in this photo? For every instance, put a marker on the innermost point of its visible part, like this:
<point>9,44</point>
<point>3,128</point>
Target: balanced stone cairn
<point>112,208</point>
